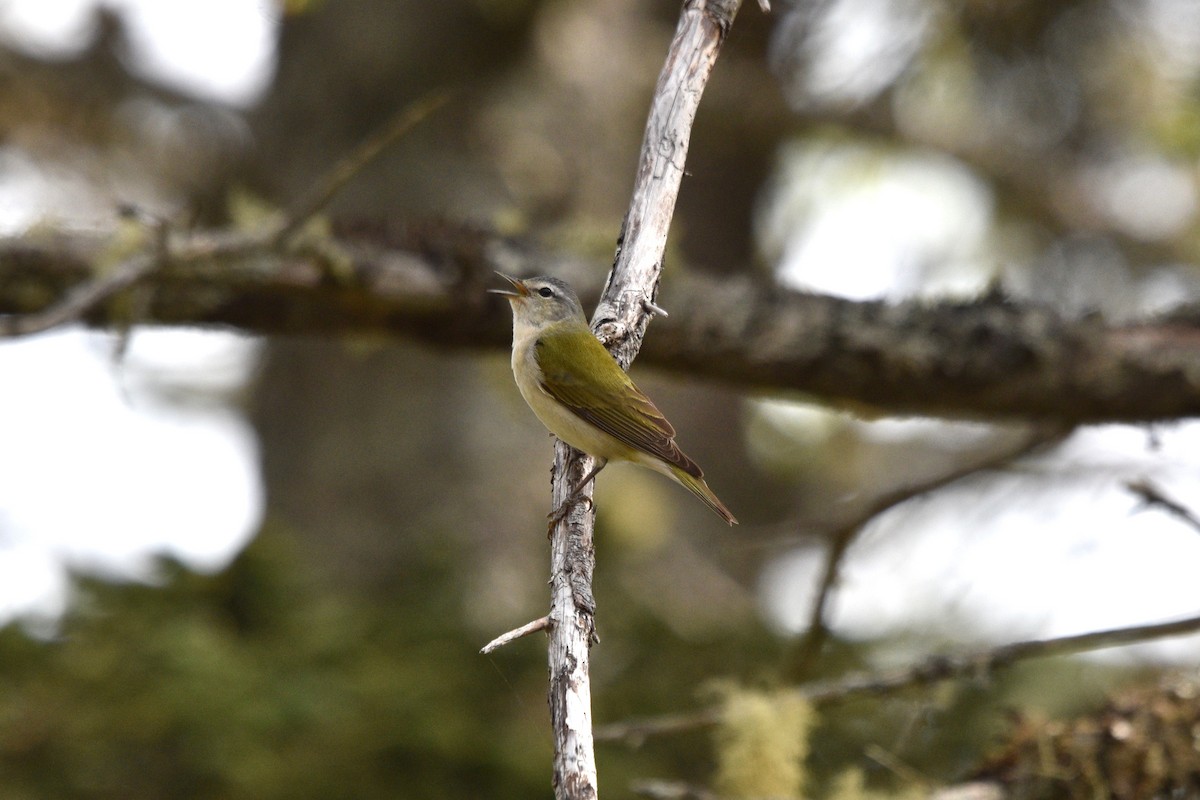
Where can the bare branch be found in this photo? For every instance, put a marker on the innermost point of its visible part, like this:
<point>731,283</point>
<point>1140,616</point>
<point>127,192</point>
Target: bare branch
<point>620,322</point>
<point>84,298</point>
<point>81,299</point>
<point>572,630</point>
<point>1153,497</point>
<point>326,189</point>
<point>933,669</point>
<point>540,624</point>
<point>806,650</point>
<point>809,645</point>
<point>636,731</point>
<point>989,358</point>
<point>671,790</point>
<point>940,668</point>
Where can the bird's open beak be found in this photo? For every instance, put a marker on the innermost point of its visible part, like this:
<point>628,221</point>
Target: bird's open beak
<point>521,289</point>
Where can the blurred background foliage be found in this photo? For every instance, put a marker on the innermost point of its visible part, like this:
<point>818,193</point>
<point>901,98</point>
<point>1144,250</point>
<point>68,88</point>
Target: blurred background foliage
<point>336,656</point>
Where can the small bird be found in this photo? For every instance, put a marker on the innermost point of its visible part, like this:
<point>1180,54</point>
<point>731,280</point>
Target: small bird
<point>580,393</point>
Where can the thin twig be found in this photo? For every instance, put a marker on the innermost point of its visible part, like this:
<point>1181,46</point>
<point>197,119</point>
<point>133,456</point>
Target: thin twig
<point>516,633</point>
<point>940,668</point>
<point>670,790</point>
<point>87,296</point>
<point>81,299</point>
<point>807,648</point>
<point>933,669</point>
<point>1153,497</point>
<point>322,193</point>
<point>634,732</point>
<point>893,764</point>
<point>817,632</point>
<point>140,298</point>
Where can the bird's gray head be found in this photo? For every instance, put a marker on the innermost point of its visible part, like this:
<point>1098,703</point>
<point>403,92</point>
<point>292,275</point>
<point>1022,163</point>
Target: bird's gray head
<point>541,301</point>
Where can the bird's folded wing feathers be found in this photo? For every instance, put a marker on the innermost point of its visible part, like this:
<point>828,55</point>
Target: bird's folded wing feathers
<point>608,399</point>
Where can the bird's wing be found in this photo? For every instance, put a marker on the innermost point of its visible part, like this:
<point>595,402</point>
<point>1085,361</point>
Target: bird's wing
<point>608,399</point>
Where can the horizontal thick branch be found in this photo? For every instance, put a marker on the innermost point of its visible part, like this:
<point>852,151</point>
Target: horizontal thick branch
<point>989,358</point>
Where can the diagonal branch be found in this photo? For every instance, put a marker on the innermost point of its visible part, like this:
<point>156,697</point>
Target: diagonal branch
<point>934,669</point>
<point>1154,497</point>
<point>82,298</point>
<point>327,188</point>
<point>809,645</point>
<point>540,624</point>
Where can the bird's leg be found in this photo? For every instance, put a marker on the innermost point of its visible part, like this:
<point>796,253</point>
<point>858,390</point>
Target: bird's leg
<point>556,516</point>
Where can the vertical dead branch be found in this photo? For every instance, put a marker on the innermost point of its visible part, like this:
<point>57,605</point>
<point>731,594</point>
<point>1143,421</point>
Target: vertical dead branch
<point>620,322</point>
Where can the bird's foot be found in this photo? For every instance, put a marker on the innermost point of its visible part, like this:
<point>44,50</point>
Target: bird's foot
<point>559,514</point>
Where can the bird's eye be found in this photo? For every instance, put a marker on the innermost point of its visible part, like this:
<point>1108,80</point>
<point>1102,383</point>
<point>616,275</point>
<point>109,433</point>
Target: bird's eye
<point>546,291</point>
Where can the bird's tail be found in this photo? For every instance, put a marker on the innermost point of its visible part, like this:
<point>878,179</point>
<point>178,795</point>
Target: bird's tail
<point>698,487</point>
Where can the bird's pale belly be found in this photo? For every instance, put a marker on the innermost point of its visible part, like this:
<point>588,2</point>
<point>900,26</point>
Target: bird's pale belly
<point>563,422</point>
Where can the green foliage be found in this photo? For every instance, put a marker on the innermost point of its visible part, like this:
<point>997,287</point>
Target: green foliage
<point>282,678</point>
<point>259,683</point>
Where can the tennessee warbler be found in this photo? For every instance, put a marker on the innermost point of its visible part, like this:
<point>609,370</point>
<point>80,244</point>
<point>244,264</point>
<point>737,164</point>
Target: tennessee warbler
<point>580,393</point>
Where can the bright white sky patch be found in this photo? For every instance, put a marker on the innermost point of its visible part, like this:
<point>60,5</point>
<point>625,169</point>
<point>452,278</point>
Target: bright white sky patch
<point>53,27</point>
<point>1147,197</point>
<point>1057,549</point>
<point>222,50</point>
<point>95,480</point>
<point>97,470</point>
<point>863,224</point>
<point>852,49</point>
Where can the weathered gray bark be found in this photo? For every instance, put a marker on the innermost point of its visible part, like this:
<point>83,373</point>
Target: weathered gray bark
<point>620,321</point>
<point>990,358</point>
